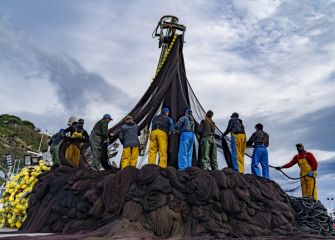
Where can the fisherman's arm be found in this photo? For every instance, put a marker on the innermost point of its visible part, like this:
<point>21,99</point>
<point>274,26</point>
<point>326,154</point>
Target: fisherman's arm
<point>121,134</point>
<point>251,140</point>
<point>291,163</point>
<point>267,140</point>
<point>200,129</point>
<point>171,125</point>
<point>312,161</point>
<point>179,123</point>
<point>229,128</point>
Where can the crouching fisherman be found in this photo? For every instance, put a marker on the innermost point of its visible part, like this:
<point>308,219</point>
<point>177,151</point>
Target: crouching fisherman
<point>208,150</point>
<point>259,140</point>
<point>129,138</point>
<point>308,166</point>
<point>161,127</point>
<point>185,126</point>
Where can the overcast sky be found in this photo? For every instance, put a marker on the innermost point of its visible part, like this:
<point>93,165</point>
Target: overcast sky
<point>273,61</point>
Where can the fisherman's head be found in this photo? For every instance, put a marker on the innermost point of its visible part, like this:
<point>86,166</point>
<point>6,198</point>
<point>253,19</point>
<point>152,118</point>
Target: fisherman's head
<point>209,114</point>
<point>259,126</point>
<point>188,112</point>
<point>81,122</point>
<point>129,119</point>
<point>165,111</point>
<point>107,117</point>
<point>234,115</point>
<point>300,147</point>
<point>72,121</point>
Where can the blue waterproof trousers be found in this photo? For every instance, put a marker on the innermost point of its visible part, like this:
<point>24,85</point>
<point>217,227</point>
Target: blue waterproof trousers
<point>260,156</point>
<point>185,150</point>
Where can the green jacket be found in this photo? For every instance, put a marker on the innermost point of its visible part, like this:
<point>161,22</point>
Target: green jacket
<point>100,129</point>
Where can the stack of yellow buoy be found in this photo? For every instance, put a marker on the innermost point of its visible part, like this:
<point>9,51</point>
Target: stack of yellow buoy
<point>15,197</point>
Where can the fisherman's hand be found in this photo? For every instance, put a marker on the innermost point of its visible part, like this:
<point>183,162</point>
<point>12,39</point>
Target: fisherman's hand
<point>277,168</point>
<point>310,174</point>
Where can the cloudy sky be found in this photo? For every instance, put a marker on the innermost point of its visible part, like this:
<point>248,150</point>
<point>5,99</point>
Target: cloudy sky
<point>273,61</point>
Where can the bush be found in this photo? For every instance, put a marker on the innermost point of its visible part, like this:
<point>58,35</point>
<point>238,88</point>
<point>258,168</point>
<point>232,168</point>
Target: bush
<point>29,124</point>
<point>6,119</point>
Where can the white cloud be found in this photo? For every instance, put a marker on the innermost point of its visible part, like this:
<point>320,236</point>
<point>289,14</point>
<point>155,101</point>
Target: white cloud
<point>37,82</point>
<point>272,61</point>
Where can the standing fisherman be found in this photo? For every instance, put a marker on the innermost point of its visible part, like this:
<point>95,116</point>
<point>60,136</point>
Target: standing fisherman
<point>308,166</point>
<point>129,138</point>
<point>207,143</point>
<point>185,126</point>
<point>238,141</point>
<point>161,127</point>
<point>98,135</point>
<point>260,141</point>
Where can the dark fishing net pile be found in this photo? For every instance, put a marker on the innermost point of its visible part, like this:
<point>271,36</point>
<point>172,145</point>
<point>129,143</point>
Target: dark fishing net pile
<point>152,202</point>
<point>313,215</point>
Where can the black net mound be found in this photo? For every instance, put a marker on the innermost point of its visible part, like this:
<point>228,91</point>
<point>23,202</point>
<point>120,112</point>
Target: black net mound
<point>152,202</point>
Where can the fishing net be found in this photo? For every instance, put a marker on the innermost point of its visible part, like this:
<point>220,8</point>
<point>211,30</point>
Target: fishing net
<point>170,88</point>
<point>159,203</point>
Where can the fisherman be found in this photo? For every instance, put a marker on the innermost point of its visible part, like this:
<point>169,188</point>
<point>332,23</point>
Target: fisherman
<point>185,126</point>
<point>54,144</point>
<point>98,135</point>
<point>161,127</point>
<point>259,140</point>
<point>80,129</point>
<point>207,143</point>
<point>129,138</point>
<point>308,167</point>
<point>238,141</point>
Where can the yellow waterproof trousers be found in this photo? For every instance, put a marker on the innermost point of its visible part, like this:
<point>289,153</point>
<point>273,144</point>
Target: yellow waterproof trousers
<point>308,184</point>
<point>72,155</point>
<point>129,157</point>
<point>158,142</point>
<point>240,143</point>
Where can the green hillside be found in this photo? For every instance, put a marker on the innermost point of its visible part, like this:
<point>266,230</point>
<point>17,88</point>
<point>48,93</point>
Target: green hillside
<point>17,136</point>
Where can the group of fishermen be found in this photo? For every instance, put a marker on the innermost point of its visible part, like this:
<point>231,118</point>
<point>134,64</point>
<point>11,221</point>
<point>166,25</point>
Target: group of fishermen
<point>162,126</point>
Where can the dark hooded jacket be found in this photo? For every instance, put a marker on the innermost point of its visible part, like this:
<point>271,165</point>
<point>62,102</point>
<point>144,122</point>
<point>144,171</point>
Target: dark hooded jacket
<point>129,135</point>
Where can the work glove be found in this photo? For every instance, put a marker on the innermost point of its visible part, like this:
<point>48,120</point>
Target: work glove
<point>310,174</point>
<point>277,168</point>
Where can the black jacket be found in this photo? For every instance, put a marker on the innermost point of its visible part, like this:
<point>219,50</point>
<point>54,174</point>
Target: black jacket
<point>235,125</point>
<point>258,138</point>
<point>162,122</point>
